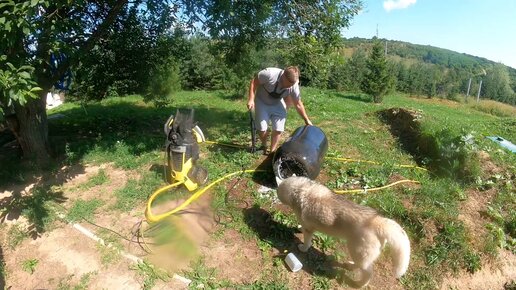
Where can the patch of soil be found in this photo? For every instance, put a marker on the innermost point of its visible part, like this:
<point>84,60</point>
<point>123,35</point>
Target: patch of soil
<point>488,167</point>
<point>117,178</point>
<point>236,259</point>
<point>472,213</point>
<point>489,277</point>
<point>64,256</point>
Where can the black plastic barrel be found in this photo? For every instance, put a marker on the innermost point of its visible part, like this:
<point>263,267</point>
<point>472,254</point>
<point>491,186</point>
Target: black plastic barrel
<point>302,154</point>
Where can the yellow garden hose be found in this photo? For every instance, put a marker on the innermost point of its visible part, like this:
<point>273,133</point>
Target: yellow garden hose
<point>154,218</point>
<point>375,188</point>
<point>225,144</point>
<point>373,162</point>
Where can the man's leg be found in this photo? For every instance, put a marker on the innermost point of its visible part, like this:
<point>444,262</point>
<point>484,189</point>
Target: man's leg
<point>263,138</point>
<point>278,126</point>
<point>275,137</point>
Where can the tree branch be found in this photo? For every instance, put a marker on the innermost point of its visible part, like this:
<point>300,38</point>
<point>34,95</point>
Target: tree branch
<point>89,44</point>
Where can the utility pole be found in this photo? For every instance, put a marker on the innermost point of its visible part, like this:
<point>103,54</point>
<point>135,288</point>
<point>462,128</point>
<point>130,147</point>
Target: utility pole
<point>386,47</point>
<point>469,86</point>
<point>479,88</point>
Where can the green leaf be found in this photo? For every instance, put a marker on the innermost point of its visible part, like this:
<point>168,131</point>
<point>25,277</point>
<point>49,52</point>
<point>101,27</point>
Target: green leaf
<point>2,20</point>
<point>26,68</point>
<point>24,75</point>
<point>36,89</point>
<point>26,30</point>
<point>34,3</point>
<point>10,3</point>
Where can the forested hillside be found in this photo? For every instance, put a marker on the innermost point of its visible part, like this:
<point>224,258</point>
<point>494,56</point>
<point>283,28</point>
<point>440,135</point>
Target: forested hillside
<point>432,71</point>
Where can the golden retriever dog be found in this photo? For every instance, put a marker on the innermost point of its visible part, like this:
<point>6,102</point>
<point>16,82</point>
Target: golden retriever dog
<point>366,232</point>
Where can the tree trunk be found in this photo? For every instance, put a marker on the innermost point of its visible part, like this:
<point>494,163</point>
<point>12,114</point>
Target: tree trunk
<point>31,129</point>
<point>30,126</point>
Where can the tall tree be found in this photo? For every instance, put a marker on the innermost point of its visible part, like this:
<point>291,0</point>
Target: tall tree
<point>496,85</point>
<point>376,81</point>
<point>34,30</point>
<point>312,27</point>
<point>31,33</point>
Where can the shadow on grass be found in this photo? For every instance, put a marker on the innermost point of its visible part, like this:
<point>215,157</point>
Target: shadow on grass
<point>140,128</point>
<point>284,240</point>
<point>118,132</point>
<point>355,97</point>
<point>33,203</point>
<point>264,174</point>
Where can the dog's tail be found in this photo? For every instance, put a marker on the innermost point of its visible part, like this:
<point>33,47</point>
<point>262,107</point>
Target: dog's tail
<point>398,240</point>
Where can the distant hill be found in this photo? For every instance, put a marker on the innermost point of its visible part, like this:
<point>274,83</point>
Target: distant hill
<point>431,71</point>
<point>413,53</point>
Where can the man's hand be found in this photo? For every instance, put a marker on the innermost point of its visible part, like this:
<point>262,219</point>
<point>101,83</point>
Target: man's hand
<point>308,122</point>
<point>250,105</point>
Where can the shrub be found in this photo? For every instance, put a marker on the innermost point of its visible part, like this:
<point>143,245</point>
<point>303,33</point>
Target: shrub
<point>451,155</point>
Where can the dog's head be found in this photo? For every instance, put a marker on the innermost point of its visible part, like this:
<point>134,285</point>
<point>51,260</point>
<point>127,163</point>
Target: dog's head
<point>283,192</point>
<point>291,188</point>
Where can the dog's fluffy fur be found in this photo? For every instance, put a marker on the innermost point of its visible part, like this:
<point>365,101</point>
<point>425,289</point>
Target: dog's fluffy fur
<point>320,209</point>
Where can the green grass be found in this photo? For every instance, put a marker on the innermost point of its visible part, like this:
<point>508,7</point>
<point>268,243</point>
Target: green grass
<point>83,209</point>
<point>15,236</point>
<point>137,190</point>
<point>128,133</point>
<point>149,274</point>
<point>29,265</point>
<point>65,283</point>
<point>110,251</point>
<point>36,207</point>
<point>494,108</point>
<point>98,179</point>
<point>204,277</point>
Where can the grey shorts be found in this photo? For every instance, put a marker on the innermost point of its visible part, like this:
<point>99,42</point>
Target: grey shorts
<point>276,114</point>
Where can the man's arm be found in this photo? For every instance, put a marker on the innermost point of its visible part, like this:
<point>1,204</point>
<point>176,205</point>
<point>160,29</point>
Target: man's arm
<point>252,90</point>
<point>300,108</point>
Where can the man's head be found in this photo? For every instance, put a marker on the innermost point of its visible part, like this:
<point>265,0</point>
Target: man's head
<point>290,76</point>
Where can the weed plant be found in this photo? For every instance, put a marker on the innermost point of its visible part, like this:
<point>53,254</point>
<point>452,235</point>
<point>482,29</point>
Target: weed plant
<point>149,274</point>
<point>29,265</point>
<point>16,234</point>
<point>100,178</point>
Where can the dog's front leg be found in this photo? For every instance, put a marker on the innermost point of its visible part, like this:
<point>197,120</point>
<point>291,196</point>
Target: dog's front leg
<point>307,237</point>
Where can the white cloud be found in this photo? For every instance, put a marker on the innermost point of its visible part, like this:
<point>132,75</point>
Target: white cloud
<point>397,4</point>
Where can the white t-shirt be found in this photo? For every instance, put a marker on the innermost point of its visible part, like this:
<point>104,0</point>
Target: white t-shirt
<point>268,78</point>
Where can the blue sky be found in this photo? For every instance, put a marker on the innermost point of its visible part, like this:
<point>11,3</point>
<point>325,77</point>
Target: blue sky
<point>485,28</point>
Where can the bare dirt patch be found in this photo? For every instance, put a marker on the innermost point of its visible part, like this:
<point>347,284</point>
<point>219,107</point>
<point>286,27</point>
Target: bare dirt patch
<point>489,277</point>
<point>66,257</point>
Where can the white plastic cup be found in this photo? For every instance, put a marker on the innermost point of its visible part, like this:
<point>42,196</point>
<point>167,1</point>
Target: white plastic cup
<point>293,262</point>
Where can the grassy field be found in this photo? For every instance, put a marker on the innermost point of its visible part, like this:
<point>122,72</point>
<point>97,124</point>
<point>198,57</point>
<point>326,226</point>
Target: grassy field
<point>449,236</point>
